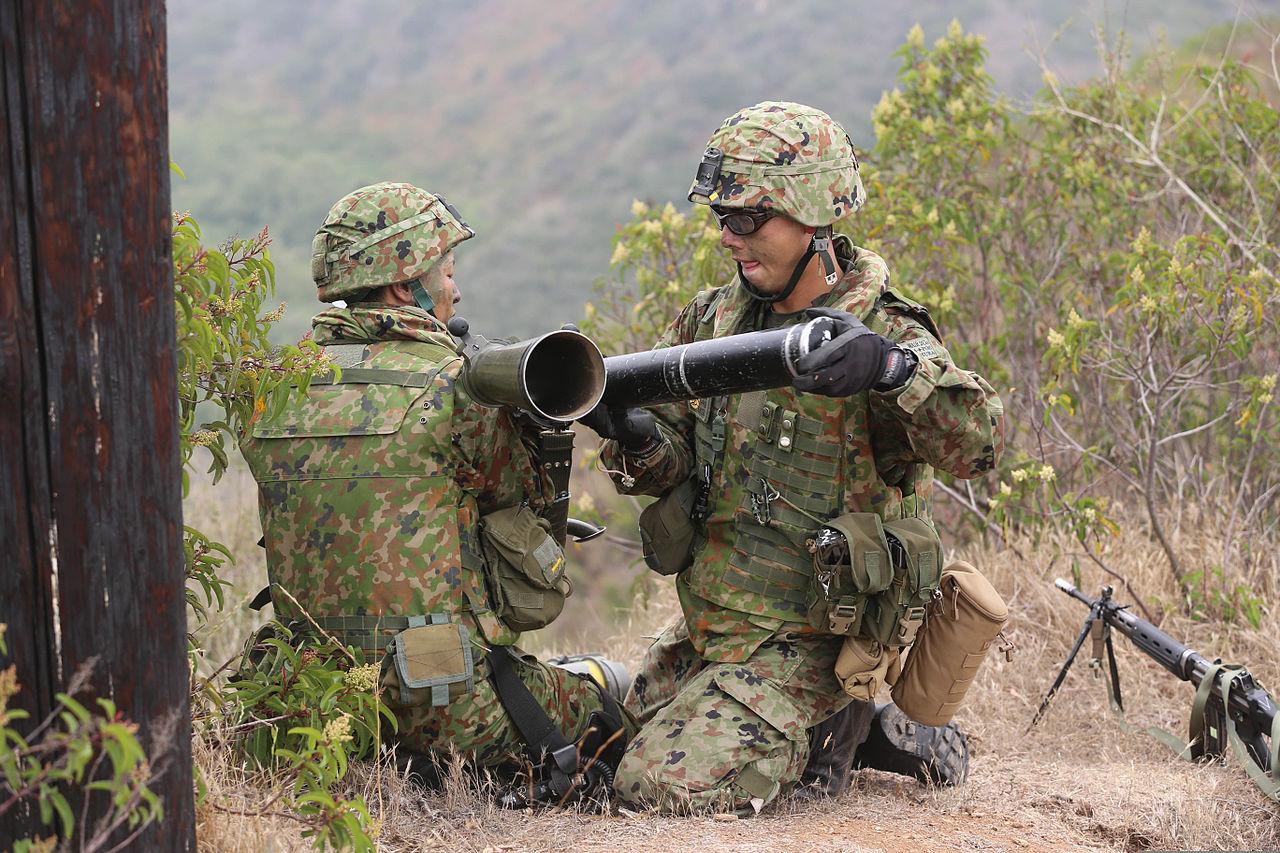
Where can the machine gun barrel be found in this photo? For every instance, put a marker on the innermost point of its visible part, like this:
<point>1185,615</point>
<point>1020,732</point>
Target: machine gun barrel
<point>736,364</point>
<point>1250,702</point>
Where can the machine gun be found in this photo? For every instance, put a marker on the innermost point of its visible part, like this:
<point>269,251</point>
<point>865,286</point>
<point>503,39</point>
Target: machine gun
<point>1231,708</point>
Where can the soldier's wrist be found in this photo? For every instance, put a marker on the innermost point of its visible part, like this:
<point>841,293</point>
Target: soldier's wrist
<point>648,448</point>
<point>900,366</point>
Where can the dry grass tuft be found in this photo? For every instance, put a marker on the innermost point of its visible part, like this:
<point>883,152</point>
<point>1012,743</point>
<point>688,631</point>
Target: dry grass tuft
<point>1075,782</point>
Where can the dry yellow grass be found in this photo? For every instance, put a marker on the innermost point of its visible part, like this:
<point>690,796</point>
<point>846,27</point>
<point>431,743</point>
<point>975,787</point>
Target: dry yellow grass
<point>1075,782</point>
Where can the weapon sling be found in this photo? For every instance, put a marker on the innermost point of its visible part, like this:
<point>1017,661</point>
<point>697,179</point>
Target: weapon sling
<point>536,727</point>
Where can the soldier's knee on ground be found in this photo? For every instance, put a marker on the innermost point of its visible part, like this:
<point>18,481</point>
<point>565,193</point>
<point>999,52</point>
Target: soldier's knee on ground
<point>729,741</point>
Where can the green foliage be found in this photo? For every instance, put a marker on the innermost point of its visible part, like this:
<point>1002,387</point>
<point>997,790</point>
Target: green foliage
<point>300,716</point>
<point>94,750</point>
<point>661,258</point>
<point>225,362</point>
<point>1108,257</point>
<point>302,711</point>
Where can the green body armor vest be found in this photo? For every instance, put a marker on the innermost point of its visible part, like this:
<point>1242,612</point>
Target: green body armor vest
<point>363,520</point>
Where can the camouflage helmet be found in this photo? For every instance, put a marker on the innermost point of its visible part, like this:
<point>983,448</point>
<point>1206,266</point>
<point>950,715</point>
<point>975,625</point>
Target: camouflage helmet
<point>781,155</point>
<point>383,234</point>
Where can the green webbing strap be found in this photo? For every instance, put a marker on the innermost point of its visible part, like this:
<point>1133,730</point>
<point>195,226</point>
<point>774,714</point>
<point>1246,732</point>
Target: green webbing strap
<point>751,410</point>
<point>420,295</point>
<point>1268,783</point>
<point>1197,740</point>
<point>369,633</point>
<point>376,376</point>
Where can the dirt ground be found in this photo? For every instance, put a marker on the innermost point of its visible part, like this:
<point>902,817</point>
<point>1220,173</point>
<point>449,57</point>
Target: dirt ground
<point>1075,782</point>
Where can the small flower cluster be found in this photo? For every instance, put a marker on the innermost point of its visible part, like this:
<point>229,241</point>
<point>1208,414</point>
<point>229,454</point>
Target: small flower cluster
<point>363,678</point>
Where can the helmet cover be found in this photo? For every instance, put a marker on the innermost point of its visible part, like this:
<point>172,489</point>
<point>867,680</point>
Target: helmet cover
<point>383,234</point>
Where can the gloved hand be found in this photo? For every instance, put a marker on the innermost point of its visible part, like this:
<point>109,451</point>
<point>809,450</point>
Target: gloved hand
<point>634,429</point>
<point>855,359</point>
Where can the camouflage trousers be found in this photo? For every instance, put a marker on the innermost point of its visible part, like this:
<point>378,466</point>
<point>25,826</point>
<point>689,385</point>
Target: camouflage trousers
<point>725,736</point>
<point>476,725</point>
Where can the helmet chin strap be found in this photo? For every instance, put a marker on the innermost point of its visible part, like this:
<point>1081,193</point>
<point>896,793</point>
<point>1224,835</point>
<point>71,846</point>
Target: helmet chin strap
<point>820,245</point>
<point>421,297</point>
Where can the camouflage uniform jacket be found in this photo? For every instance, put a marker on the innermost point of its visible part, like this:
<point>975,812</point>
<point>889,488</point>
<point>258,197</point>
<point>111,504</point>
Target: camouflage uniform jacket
<point>370,493</point>
<point>773,456</point>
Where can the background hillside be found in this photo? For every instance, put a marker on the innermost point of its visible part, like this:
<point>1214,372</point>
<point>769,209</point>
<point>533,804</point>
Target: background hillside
<point>542,121</point>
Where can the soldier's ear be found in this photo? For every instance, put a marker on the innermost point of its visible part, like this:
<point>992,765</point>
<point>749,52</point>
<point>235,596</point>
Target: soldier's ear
<point>401,293</point>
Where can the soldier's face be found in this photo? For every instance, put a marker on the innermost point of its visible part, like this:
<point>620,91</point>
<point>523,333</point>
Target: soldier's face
<point>769,254</point>
<point>448,289</point>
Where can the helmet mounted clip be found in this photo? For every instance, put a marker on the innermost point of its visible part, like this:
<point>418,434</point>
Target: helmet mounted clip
<point>708,176</point>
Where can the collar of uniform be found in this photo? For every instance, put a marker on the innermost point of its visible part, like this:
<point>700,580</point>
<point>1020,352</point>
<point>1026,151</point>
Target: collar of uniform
<point>866,276</point>
<point>365,323</point>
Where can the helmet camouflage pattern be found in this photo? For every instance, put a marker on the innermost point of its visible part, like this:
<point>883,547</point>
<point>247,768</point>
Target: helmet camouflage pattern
<point>780,155</point>
<point>383,234</point>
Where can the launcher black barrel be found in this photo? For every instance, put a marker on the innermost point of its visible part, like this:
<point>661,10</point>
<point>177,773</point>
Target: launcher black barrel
<point>753,361</point>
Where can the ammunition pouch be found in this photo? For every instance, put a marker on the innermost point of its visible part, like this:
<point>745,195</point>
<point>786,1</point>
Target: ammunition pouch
<point>433,661</point>
<point>526,568</point>
<point>667,531</point>
<point>873,578</point>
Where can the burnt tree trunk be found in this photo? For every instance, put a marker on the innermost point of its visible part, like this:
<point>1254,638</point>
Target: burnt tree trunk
<point>90,503</point>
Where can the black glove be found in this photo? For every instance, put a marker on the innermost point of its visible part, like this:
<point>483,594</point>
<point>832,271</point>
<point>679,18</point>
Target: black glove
<point>855,359</point>
<point>634,429</point>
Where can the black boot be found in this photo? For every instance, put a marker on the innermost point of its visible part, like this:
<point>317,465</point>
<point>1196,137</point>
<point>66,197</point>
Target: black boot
<point>898,744</point>
<point>832,744</point>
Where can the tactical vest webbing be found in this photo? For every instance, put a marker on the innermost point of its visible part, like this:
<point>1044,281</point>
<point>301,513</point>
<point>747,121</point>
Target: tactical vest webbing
<point>795,470</point>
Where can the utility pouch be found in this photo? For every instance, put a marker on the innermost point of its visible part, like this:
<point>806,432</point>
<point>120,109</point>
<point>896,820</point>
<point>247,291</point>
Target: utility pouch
<point>864,666</point>
<point>851,562</point>
<point>961,624</point>
<point>895,615</point>
<point>433,661</point>
<point>667,530</point>
<point>526,567</point>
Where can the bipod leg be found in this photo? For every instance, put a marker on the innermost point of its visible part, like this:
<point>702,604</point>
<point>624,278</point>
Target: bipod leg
<point>1113,674</point>
<point>1062,673</point>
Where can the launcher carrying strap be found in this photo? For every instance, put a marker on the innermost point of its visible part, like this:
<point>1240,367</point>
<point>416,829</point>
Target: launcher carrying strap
<point>534,724</point>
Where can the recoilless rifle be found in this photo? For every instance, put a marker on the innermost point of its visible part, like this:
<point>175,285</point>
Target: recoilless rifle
<point>1231,708</point>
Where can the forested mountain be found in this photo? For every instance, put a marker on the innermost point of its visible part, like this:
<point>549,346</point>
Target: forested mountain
<point>542,121</point>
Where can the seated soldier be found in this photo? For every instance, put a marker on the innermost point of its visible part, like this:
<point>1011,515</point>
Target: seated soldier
<point>393,505</point>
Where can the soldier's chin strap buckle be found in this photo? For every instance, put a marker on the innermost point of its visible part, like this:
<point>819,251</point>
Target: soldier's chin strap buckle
<point>821,246</point>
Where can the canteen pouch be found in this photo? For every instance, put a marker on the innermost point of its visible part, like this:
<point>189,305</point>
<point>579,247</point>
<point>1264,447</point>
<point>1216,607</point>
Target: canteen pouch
<point>667,532</point>
<point>526,568</point>
<point>853,569</point>
<point>433,662</point>
<point>863,666</point>
<point>960,626</point>
<point>894,615</point>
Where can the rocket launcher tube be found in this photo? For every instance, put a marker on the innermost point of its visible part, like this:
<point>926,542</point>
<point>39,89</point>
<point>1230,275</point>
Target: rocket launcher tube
<point>736,364</point>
